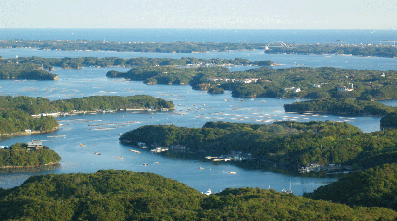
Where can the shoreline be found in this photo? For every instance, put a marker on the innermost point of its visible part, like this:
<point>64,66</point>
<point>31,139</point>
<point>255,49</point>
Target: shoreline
<point>28,133</point>
<point>36,166</point>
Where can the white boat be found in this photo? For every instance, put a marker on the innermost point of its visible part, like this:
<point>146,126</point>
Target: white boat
<point>287,191</point>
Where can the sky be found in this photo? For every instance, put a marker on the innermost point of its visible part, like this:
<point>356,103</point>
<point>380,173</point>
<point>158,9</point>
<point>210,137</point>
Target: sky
<point>200,14</point>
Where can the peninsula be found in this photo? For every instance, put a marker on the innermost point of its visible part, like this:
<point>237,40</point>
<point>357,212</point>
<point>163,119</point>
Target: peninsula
<point>21,114</point>
<point>284,145</point>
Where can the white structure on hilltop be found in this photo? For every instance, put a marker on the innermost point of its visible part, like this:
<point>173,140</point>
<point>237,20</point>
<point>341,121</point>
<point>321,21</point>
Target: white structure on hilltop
<point>344,88</point>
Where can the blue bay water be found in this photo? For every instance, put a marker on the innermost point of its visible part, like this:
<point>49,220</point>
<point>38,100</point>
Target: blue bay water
<point>100,132</point>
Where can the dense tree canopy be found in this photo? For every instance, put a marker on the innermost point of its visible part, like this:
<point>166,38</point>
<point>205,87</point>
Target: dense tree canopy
<point>375,187</point>
<point>28,71</point>
<point>15,112</point>
<point>122,195</point>
<point>380,50</point>
<point>289,144</point>
<point>44,105</point>
<point>318,83</point>
<point>341,106</point>
<point>16,120</point>
<point>18,155</point>
<point>389,121</point>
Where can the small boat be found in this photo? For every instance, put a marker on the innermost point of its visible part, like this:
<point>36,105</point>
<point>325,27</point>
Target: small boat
<point>231,172</point>
<point>156,162</point>
<point>287,191</point>
<point>145,164</point>
<point>97,153</point>
<point>201,168</point>
<point>82,145</point>
<point>119,157</point>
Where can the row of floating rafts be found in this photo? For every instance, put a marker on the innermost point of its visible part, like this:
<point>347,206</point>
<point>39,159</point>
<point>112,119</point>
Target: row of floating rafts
<point>60,136</point>
<point>159,149</point>
<point>217,159</point>
<point>135,151</point>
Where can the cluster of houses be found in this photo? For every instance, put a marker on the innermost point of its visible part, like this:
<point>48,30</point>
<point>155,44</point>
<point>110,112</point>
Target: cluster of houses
<point>240,81</point>
<point>234,155</point>
<point>35,145</point>
<point>296,90</point>
<point>330,168</point>
<point>339,88</point>
<point>344,88</point>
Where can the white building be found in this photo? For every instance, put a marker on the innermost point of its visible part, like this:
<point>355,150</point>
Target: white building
<point>316,86</point>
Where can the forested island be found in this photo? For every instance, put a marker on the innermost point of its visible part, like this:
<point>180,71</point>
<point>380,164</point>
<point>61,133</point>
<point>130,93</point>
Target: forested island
<point>124,195</point>
<point>77,63</point>
<point>325,82</point>
<point>380,50</point>
<point>25,155</point>
<point>155,47</point>
<point>285,145</point>
<point>341,106</point>
<point>16,113</point>
<point>300,82</point>
<point>28,71</point>
<point>377,50</point>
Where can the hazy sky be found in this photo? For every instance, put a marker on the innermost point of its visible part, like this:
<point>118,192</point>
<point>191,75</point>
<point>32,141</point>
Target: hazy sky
<point>206,14</point>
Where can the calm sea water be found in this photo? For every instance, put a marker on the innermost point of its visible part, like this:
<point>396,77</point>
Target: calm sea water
<point>204,35</point>
<point>100,132</point>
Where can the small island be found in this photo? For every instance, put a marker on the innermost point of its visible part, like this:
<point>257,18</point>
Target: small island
<point>340,106</point>
<point>32,154</point>
<point>28,71</point>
